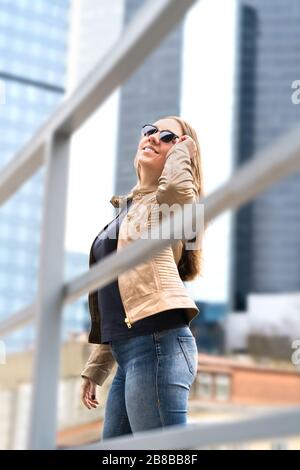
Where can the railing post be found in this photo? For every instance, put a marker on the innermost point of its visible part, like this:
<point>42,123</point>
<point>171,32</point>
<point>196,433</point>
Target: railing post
<point>42,428</point>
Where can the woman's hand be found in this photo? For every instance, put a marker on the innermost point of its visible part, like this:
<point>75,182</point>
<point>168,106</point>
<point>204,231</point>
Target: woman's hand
<point>88,393</point>
<point>190,141</point>
<point>180,139</point>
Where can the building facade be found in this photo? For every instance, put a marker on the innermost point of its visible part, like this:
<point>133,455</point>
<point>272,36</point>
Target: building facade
<point>267,230</point>
<point>33,53</point>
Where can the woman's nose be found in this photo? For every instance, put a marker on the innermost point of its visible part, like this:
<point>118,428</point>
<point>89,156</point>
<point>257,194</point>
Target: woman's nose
<point>154,137</point>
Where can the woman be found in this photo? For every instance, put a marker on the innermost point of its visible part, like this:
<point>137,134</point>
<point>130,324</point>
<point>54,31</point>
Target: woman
<point>145,314</point>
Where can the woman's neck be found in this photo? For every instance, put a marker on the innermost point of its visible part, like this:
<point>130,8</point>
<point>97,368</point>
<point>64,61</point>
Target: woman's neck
<point>148,180</point>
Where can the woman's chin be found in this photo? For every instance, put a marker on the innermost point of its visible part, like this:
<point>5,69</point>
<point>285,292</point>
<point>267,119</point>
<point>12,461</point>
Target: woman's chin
<point>146,159</point>
<point>149,154</point>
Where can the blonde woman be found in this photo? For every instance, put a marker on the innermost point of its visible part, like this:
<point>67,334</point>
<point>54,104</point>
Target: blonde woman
<point>141,321</point>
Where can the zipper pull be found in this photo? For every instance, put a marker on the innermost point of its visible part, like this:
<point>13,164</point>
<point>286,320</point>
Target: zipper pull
<point>128,322</point>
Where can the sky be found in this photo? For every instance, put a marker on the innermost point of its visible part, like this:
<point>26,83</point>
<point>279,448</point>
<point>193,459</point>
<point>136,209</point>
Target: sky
<point>207,101</point>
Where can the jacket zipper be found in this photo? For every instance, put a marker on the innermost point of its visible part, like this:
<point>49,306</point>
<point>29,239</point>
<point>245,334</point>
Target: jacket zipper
<point>127,319</point>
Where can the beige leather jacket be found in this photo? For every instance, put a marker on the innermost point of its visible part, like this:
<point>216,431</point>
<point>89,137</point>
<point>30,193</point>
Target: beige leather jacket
<point>155,285</point>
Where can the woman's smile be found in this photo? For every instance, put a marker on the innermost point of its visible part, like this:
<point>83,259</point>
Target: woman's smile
<point>149,151</point>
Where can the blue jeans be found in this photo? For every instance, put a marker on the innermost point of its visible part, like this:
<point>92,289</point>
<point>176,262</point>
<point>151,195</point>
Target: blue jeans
<point>151,386</point>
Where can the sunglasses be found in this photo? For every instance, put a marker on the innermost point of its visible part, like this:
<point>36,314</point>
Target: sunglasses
<point>165,135</point>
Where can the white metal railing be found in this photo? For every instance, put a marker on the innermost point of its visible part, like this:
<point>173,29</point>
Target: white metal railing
<point>50,147</point>
<point>266,425</point>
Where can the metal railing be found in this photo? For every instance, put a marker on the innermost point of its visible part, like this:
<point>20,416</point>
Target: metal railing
<point>267,425</point>
<point>50,147</point>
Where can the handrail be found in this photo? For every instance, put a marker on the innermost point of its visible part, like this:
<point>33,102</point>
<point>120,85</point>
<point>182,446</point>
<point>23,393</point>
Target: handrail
<point>263,425</point>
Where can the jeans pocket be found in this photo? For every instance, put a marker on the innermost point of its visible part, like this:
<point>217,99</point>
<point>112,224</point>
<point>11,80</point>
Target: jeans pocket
<point>189,348</point>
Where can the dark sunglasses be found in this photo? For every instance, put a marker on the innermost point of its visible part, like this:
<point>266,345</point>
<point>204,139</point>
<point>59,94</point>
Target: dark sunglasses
<point>164,136</point>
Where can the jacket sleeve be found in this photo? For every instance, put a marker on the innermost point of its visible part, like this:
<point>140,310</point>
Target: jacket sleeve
<point>175,184</point>
<point>99,364</point>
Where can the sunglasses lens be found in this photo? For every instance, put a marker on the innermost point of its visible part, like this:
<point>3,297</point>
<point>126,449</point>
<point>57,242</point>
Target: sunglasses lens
<point>148,130</point>
<point>166,136</point>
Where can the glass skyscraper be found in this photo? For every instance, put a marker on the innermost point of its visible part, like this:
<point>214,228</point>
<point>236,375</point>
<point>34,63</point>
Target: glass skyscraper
<point>33,65</point>
<point>267,230</point>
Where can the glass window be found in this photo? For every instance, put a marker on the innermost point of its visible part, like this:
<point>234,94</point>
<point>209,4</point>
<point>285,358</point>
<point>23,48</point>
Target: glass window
<point>19,23</point>
<point>16,67</point>
<point>222,386</point>
<point>14,113</point>
<point>21,3</point>
<point>37,50</point>
<point>31,117</point>
<point>5,19</point>
<point>39,7</point>
<point>20,283</point>
<point>22,258</point>
<point>23,234</point>
<point>51,76</point>
<point>25,210</point>
<point>205,385</point>
<point>37,28</point>
<point>3,61</point>
<point>4,282</point>
<point>2,304</point>
<point>5,231</point>
<point>14,90</point>
<point>3,40</point>
<point>4,257</point>
<point>19,46</point>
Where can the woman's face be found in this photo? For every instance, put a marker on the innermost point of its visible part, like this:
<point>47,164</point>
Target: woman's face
<point>154,161</point>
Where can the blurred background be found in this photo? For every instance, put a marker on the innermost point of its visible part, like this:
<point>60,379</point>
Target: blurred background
<point>228,68</point>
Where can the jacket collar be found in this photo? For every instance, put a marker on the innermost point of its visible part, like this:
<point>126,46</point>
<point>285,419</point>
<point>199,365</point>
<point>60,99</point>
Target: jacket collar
<point>117,200</point>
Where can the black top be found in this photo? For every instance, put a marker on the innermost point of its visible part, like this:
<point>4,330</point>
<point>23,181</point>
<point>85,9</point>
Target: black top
<point>113,326</point>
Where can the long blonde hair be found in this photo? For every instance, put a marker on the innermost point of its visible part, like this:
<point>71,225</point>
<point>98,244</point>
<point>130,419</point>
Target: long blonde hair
<point>190,264</point>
